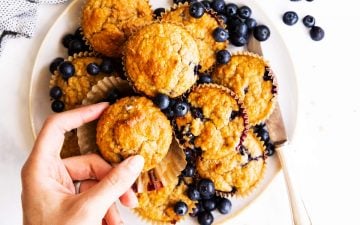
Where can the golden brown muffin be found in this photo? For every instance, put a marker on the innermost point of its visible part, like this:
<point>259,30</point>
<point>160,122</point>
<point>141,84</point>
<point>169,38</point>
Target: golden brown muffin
<point>201,29</point>
<point>249,76</point>
<point>70,147</point>
<point>239,172</point>
<point>108,23</point>
<point>131,126</point>
<point>216,122</point>
<point>160,58</point>
<point>158,205</point>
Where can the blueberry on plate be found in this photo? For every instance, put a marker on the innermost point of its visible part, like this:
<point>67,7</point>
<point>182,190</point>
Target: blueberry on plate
<point>270,149</point>
<point>66,70</point>
<point>193,194</point>
<point>93,69</point>
<point>206,188</point>
<point>309,21</point>
<point>55,63</point>
<point>244,12</point>
<point>205,218</point>
<point>78,33</point>
<point>251,23</point>
<point>264,135</point>
<point>57,106</point>
<point>197,210</point>
<point>189,170</point>
<point>107,66</point>
<point>209,204</point>
<point>218,6</point>
<point>220,34</point>
<point>317,33</point>
<point>261,33</point>
<point>55,92</point>
<point>162,101</point>
<point>206,4</point>
<point>180,208</point>
<point>75,46</point>
<point>67,39</point>
<point>239,40</point>
<point>197,10</point>
<point>180,109</point>
<point>231,9</point>
<point>204,79</point>
<point>290,18</point>
<point>224,205</point>
<point>223,56</point>
<point>223,18</point>
<point>240,29</point>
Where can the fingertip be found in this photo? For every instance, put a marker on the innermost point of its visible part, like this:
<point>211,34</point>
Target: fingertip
<point>134,163</point>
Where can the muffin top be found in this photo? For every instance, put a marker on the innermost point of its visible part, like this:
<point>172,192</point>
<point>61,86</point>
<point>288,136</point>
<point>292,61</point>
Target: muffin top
<point>236,172</point>
<point>201,29</point>
<point>249,76</point>
<point>160,58</point>
<point>108,23</point>
<point>131,126</point>
<point>215,123</point>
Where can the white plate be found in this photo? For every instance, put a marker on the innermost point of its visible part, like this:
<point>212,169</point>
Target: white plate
<point>274,49</point>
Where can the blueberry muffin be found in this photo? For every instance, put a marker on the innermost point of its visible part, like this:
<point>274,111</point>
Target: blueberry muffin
<point>237,172</point>
<point>202,29</point>
<point>216,122</point>
<point>108,23</point>
<point>131,126</point>
<point>160,58</point>
<point>250,77</point>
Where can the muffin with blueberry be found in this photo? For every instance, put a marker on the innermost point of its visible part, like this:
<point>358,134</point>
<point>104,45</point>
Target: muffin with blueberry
<point>107,24</point>
<point>208,31</point>
<point>215,123</point>
<point>131,126</point>
<point>238,172</point>
<point>160,58</point>
<point>250,77</point>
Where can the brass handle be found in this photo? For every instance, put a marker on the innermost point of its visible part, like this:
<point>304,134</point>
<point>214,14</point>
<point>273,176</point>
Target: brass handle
<point>300,215</point>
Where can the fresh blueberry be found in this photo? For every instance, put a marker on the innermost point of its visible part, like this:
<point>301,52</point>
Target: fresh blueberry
<point>251,23</point>
<point>189,171</point>
<point>239,40</point>
<point>204,79</point>
<point>205,218</point>
<point>259,127</point>
<point>162,101</point>
<point>223,18</point>
<point>181,208</point>
<point>224,205</point>
<point>57,106</point>
<point>270,149</point>
<point>107,66</point>
<point>209,204</point>
<point>75,46</point>
<point>218,6</point>
<point>66,70</point>
<point>169,112</point>
<point>67,39</point>
<point>55,92</point>
<point>206,188</point>
<point>309,21</point>
<point>197,210</point>
<point>113,96</point>
<point>231,9</point>
<point>197,113</point>
<point>55,63</point>
<point>220,34</point>
<point>158,12</point>
<point>290,18</point>
<point>193,194</point>
<point>240,29</point>
<point>206,4</point>
<point>264,135</point>
<point>267,76</point>
<point>197,9</point>
<point>93,69</point>
<point>223,56</point>
<point>180,109</point>
<point>261,33</point>
<point>317,33</point>
<point>78,33</point>
<point>244,12</point>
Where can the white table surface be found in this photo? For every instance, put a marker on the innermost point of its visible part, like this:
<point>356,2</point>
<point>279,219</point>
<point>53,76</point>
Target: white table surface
<point>325,150</point>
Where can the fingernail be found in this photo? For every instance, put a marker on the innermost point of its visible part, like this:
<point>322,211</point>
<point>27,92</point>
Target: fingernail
<point>136,163</point>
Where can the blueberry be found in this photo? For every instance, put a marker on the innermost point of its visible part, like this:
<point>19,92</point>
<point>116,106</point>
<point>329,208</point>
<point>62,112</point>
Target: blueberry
<point>223,56</point>
<point>107,66</point>
<point>239,41</point>
<point>197,210</point>
<point>267,76</point>
<point>66,70</point>
<point>251,23</point>
<point>78,33</point>
<point>224,205</point>
<point>205,218</point>
<point>309,21</point>
<point>55,63</point>
<point>223,18</point>
<point>57,106</point>
<point>220,34</point>
<point>264,135</point>
<point>261,33</point>
<point>180,109</point>
<point>290,18</point>
<point>189,171</point>
<point>231,9</point>
<point>55,92</point>
<point>244,12</point>
<point>179,1</point>
<point>193,194</point>
<point>75,46</point>
<point>197,68</point>
<point>204,79</point>
<point>180,208</point>
<point>113,95</point>
<point>206,4</point>
<point>197,9</point>
<point>218,6</point>
<point>259,127</point>
<point>270,149</point>
<point>158,12</point>
<point>162,101</point>
<point>93,69</point>
<point>67,39</point>
<point>317,33</point>
<point>209,204</point>
<point>232,22</point>
<point>197,113</point>
<point>206,188</point>
<point>240,29</point>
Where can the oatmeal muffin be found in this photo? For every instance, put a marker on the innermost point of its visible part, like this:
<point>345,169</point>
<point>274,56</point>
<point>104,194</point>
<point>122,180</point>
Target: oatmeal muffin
<point>236,172</point>
<point>131,126</point>
<point>250,77</point>
<point>160,58</point>
<point>216,122</point>
<point>108,23</point>
<point>201,29</point>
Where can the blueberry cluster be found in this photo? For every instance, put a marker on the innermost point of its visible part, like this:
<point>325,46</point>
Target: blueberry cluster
<point>263,133</point>
<point>171,107</point>
<point>75,42</point>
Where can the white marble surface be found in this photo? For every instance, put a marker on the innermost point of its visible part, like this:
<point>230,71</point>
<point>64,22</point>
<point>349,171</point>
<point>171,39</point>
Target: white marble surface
<point>325,150</point>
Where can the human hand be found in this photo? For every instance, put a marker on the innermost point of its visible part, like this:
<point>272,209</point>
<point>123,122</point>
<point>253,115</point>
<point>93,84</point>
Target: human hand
<point>48,191</point>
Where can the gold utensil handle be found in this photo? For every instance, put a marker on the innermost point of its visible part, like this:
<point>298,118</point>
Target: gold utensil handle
<point>299,212</point>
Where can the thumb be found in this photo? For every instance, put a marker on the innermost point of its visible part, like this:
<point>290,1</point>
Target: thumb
<point>114,184</point>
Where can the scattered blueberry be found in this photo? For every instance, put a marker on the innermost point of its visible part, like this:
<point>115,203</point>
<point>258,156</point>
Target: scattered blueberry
<point>218,6</point>
<point>270,149</point>
<point>309,21</point>
<point>193,194</point>
<point>263,134</point>
<point>239,40</point>
<point>223,18</point>
<point>181,208</point>
<point>113,96</point>
<point>55,92</point>
<point>204,79</point>
<point>197,113</point>
<point>317,33</point>
<point>197,210</point>
<point>189,170</point>
<point>169,112</point>
<point>251,23</point>
<point>231,9</point>
<point>78,33</point>
<point>197,9</point>
<point>180,109</point>
<point>55,63</point>
<point>93,69</point>
<point>67,39</point>
<point>240,29</point>
<point>220,34</point>
<point>261,32</point>
<point>158,12</point>
<point>57,106</point>
<point>206,188</point>
<point>223,56</point>
<point>162,101</point>
<point>209,204</point>
<point>107,66</point>
<point>244,12</point>
<point>66,70</point>
<point>290,18</point>
<point>75,46</point>
<point>206,4</point>
<point>224,205</point>
<point>205,218</point>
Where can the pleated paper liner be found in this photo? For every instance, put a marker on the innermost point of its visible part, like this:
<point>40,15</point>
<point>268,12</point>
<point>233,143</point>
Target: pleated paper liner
<point>257,91</point>
<point>202,31</point>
